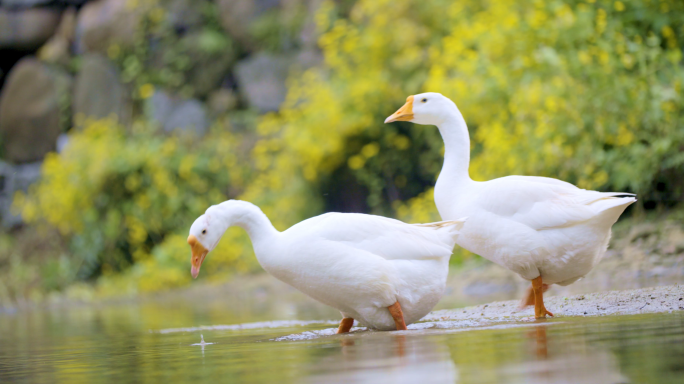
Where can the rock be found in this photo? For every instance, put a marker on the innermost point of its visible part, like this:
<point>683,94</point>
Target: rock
<point>102,23</point>
<point>237,16</point>
<point>189,115</point>
<point>23,3</point>
<point>15,178</point>
<point>308,36</point>
<point>33,99</point>
<point>27,29</point>
<point>98,92</point>
<point>175,113</point>
<point>307,58</point>
<point>58,47</point>
<point>19,4</point>
<point>62,141</point>
<point>261,79</point>
<point>184,15</point>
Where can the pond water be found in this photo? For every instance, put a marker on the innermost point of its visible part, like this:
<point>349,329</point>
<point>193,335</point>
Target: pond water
<point>161,341</point>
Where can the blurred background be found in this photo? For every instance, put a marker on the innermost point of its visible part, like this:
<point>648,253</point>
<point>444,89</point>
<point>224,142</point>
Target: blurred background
<point>121,121</point>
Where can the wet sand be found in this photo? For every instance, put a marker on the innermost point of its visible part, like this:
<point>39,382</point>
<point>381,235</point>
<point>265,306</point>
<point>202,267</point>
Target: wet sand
<point>630,302</point>
<point>500,314</point>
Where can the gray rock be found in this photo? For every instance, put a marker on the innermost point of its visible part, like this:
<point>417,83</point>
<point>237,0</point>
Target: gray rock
<point>23,3</point>
<point>174,113</point>
<point>98,92</point>
<point>62,141</point>
<point>27,29</point>
<point>308,36</point>
<point>184,14</point>
<point>19,4</point>
<point>261,79</point>
<point>307,58</point>
<point>15,178</point>
<point>58,48</point>
<point>31,104</point>
<point>102,23</point>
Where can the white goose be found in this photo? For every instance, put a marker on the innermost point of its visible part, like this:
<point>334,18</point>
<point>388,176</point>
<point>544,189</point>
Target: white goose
<point>546,230</point>
<point>382,272</point>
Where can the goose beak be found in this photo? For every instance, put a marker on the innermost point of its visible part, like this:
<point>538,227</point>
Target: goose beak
<point>404,113</point>
<point>198,255</point>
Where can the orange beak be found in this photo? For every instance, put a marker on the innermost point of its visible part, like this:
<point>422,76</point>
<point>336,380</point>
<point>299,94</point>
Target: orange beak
<point>405,113</point>
<point>198,255</point>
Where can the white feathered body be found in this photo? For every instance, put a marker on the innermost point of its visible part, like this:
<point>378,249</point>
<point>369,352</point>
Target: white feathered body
<point>532,225</point>
<point>361,264</point>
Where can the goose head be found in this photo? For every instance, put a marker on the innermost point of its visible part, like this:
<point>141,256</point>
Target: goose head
<point>205,234</point>
<point>425,108</point>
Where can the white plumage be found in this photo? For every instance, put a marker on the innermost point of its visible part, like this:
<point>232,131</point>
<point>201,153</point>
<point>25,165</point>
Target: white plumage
<point>358,264</point>
<point>534,226</point>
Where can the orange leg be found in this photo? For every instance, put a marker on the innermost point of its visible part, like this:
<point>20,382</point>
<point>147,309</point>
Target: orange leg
<point>398,316</point>
<point>528,298</point>
<point>540,311</point>
<point>345,325</point>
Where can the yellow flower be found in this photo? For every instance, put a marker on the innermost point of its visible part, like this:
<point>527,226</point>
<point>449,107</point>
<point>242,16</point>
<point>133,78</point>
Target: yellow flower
<point>356,162</point>
<point>146,90</point>
<point>369,150</point>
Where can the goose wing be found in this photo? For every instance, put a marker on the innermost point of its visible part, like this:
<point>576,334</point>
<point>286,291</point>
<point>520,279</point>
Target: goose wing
<point>545,205</point>
<point>388,238</point>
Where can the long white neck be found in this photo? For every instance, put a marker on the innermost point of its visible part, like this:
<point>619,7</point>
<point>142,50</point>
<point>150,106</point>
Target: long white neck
<point>248,217</point>
<point>454,132</point>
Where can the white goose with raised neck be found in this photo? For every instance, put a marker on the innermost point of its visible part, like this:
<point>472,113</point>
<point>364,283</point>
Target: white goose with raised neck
<point>546,230</point>
<point>454,132</point>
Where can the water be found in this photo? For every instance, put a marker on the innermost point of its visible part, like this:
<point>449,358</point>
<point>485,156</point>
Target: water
<point>161,341</point>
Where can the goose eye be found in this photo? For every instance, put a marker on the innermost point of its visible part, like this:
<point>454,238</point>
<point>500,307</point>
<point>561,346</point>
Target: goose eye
<point>424,101</point>
<point>204,231</point>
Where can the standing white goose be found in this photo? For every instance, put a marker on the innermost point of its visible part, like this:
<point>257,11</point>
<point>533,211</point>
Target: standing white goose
<point>546,230</point>
<point>382,272</point>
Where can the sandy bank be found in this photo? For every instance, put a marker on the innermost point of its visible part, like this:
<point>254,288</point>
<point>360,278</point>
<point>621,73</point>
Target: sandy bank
<point>635,301</point>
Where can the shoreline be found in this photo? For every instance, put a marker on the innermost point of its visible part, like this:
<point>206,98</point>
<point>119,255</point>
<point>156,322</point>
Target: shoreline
<point>660,299</point>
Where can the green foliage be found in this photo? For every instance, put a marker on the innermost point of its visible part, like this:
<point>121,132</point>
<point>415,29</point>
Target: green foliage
<point>120,196</point>
<point>589,93</point>
<point>586,92</point>
<point>277,29</point>
<point>33,261</point>
<point>183,61</point>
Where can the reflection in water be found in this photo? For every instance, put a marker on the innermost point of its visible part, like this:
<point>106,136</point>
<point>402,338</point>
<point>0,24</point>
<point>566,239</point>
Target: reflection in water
<point>539,334</point>
<point>382,357</point>
<point>568,362</point>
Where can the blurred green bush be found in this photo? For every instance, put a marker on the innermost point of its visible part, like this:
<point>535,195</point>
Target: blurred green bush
<point>122,196</point>
<point>589,92</point>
